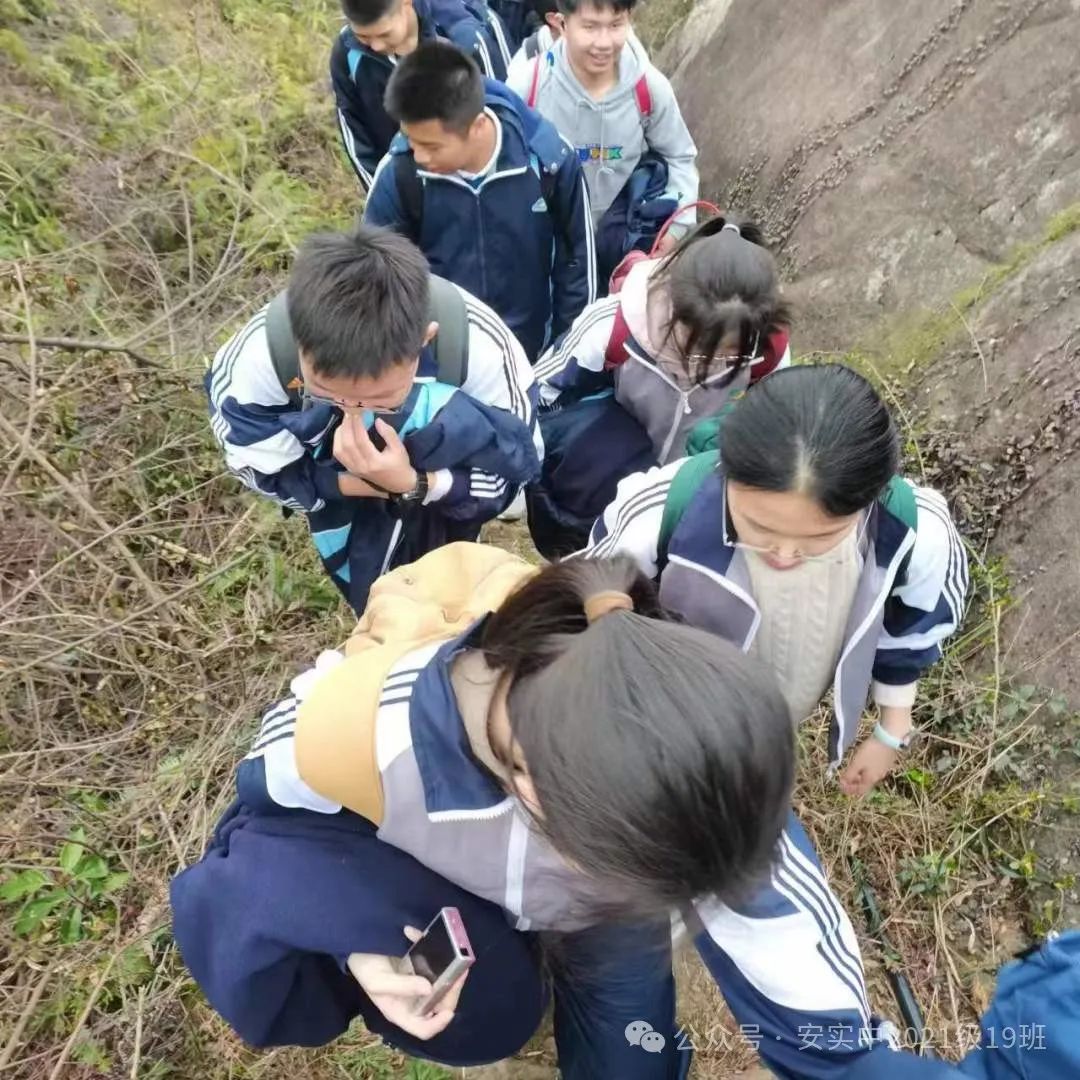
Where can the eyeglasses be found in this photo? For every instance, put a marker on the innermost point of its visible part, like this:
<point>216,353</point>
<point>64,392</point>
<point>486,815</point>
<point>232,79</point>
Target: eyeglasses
<point>833,555</point>
<point>350,408</point>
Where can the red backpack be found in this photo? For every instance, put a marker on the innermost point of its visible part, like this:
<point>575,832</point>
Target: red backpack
<point>631,258</point>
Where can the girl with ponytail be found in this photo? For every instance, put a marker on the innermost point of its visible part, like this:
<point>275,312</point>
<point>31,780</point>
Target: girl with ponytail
<point>686,333</point>
<point>544,750</point>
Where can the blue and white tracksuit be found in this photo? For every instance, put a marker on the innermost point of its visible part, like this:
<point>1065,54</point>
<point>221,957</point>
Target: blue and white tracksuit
<point>481,441</point>
<point>292,883</point>
<point>909,599</point>
<point>520,238</point>
<point>359,75</point>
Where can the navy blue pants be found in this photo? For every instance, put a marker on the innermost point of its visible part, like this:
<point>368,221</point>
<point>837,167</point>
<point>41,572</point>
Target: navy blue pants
<point>266,920</point>
<point>604,981</point>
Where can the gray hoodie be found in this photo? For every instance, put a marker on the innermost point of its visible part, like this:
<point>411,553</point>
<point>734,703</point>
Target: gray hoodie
<point>611,135</point>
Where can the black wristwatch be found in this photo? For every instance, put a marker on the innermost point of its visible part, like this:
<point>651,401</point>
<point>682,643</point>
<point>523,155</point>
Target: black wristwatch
<point>414,497</point>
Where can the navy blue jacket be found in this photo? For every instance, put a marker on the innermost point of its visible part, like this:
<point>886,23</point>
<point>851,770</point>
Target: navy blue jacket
<point>521,241</point>
<point>359,75</point>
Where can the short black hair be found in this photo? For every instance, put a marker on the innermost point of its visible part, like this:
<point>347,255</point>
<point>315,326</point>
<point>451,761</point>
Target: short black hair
<point>436,81</point>
<point>358,301</point>
<point>539,9</point>
<point>572,7</point>
<point>366,12</point>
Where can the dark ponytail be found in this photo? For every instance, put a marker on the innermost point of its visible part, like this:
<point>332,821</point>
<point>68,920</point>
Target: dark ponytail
<point>722,281</point>
<point>819,429</point>
<point>661,756</point>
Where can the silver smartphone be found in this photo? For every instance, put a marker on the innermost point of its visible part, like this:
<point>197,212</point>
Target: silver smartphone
<point>441,956</point>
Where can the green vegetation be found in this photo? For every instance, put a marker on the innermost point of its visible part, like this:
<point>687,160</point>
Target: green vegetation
<point>908,342</point>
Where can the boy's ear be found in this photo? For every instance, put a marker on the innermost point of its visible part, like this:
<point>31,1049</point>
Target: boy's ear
<point>555,20</point>
<point>429,334</point>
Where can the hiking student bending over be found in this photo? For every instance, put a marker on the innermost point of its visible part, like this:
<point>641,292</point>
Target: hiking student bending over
<point>800,544</point>
<point>598,87</point>
<point>376,35</point>
<point>391,407</point>
<point>684,337</point>
<point>461,751</point>
<point>489,192</point>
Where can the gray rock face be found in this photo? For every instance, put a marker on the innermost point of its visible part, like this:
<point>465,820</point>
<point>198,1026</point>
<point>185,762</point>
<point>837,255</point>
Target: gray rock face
<point>893,150</point>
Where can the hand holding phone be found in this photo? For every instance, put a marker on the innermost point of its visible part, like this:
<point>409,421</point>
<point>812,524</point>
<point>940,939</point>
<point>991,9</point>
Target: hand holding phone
<point>421,1006</point>
<point>442,955</point>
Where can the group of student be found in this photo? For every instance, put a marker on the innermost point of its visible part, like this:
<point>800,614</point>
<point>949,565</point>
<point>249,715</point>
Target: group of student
<point>578,757</point>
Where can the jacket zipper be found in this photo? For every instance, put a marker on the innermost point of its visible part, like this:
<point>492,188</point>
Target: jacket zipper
<point>395,537</point>
<point>682,406</point>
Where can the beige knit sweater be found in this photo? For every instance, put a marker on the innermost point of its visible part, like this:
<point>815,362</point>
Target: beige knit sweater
<point>804,612</point>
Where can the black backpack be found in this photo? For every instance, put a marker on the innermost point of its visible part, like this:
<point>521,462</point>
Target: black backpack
<point>451,344</point>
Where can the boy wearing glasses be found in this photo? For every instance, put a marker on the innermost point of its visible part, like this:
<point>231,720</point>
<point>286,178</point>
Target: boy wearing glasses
<point>387,461</point>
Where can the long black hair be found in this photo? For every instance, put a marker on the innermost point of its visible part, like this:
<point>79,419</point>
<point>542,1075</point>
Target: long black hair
<point>819,429</point>
<point>722,281</point>
<point>661,756</point>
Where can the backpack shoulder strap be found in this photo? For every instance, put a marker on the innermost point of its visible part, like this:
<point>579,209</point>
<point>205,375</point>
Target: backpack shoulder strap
<point>691,475</point>
<point>353,55</point>
<point>531,45</point>
<point>534,82</point>
<point>899,499</point>
<point>451,346</point>
<point>643,97</point>
<point>615,351</point>
<point>410,189</point>
<point>284,354</point>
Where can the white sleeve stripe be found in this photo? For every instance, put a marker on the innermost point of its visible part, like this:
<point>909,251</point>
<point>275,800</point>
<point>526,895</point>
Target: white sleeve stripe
<point>500,335</point>
<point>609,545</point>
<point>485,55</point>
<point>557,358</point>
<point>954,587</point>
<point>276,711</point>
<point>815,885</point>
<point>350,149</point>
<point>956,584</point>
<point>222,379</point>
<point>637,506</point>
<point>497,29</point>
<point>795,880</point>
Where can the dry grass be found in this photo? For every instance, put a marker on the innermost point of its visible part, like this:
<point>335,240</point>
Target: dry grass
<point>157,169</point>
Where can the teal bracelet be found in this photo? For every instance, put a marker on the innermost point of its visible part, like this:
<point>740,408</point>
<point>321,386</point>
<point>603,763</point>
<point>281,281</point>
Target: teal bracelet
<point>890,740</point>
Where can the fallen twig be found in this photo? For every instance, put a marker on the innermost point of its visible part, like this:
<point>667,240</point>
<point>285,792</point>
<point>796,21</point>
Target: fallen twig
<point>79,345</point>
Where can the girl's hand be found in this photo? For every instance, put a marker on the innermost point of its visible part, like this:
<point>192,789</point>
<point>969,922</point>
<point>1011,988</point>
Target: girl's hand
<point>871,762</point>
<point>396,995</point>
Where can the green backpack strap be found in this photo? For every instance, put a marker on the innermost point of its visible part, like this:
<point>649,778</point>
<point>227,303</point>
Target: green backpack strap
<point>899,499</point>
<point>451,345</point>
<point>684,485</point>
<point>284,354</point>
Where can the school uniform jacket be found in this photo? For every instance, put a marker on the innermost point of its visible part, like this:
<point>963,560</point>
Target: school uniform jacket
<point>359,75</point>
<point>481,441</point>
<point>900,615</point>
<point>584,362</point>
<point>787,959</point>
<point>521,239</point>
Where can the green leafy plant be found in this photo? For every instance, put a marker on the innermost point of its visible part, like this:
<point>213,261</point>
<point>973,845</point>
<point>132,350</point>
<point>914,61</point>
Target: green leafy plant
<point>69,897</point>
<point>929,874</point>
